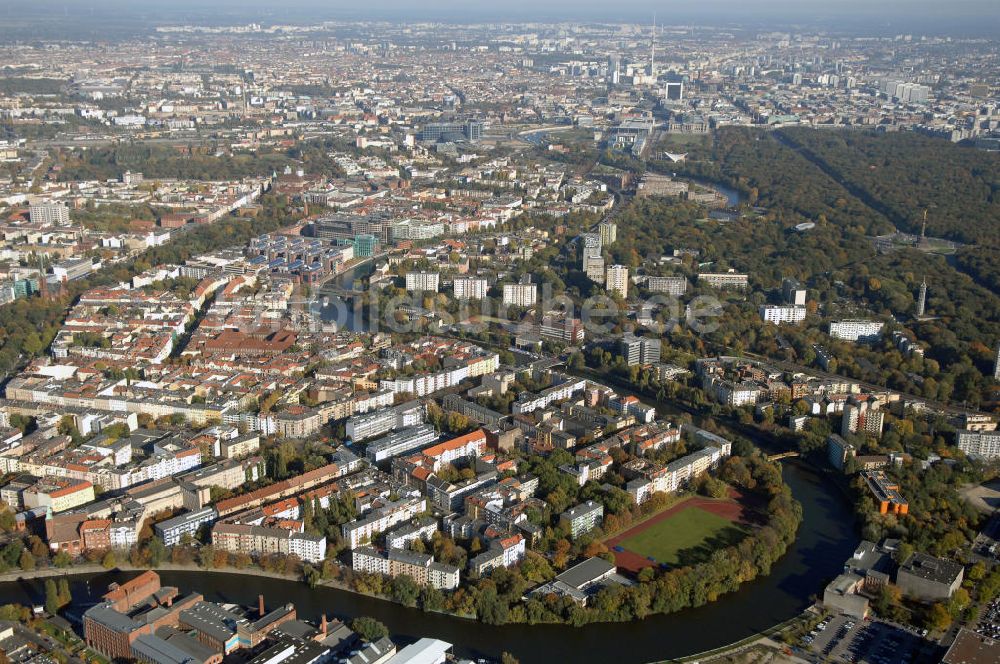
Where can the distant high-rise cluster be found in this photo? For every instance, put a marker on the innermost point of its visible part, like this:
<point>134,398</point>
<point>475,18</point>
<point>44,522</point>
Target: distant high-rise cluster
<point>903,91</point>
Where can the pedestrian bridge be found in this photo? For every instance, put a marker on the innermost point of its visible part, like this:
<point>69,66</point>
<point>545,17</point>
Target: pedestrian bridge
<point>783,455</point>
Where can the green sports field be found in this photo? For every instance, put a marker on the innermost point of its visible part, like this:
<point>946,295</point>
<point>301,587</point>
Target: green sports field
<point>684,538</point>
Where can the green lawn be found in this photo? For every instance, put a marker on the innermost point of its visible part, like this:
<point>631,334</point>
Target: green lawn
<point>685,538</point>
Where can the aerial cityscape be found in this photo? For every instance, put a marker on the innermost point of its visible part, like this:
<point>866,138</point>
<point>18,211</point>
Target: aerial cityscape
<point>409,334</point>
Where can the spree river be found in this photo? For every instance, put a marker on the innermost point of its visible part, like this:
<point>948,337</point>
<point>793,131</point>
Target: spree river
<point>825,539</point>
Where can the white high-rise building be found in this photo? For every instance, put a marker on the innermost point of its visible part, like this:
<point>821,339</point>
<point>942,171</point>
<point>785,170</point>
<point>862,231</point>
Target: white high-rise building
<point>591,245</point>
<point>593,267</point>
<point>48,213</point>
<point>617,280</point>
<point>609,232</point>
<point>422,281</point>
<point>520,295</point>
<point>861,418</point>
<point>470,288</point>
<point>780,314</point>
<point>979,444</point>
<point>856,330</point>
<point>669,285</point>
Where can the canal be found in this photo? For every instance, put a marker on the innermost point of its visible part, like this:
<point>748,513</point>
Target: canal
<point>825,539</point>
<point>345,311</point>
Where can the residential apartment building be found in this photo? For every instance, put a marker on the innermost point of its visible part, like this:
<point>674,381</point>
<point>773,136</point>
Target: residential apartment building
<point>503,552</point>
<point>474,411</point>
<point>239,447</point>
<point>781,314</point>
<point>856,330</point>
<point>609,232</point>
<point>520,295</point>
<point>862,418</point>
<point>420,567</point>
<point>422,528</point>
<point>470,288</point>
<point>58,494</point>
<point>382,518</point>
<point>582,518</point>
<point>263,540</point>
<point>979,444</point>
<point>472,444</point>
<point>421,282</point>
<point>724,280</point>
<point>838,451</point>
<point>675,286</point>
<point>49,214</point>
<point>616,280</point>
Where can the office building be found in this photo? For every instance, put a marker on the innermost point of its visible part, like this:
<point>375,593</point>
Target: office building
<point>173,530</point>
<point>347,227</point>
<point>639,350</point>
<point>929,579</point>
<point>400,442</point>
<point>470,130</point>
<point>74,268</point>
<point>885,490</point>
<point>364,245</point>
<point>673,91</point>
<point>561,328</point>
<point>970,647</point>
<point>383,420</point>
<point>617,280</point>
<point>792,293</point>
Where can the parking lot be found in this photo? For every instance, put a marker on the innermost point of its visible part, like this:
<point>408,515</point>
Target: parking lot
<point>853,641</point>
<point>989,621</point>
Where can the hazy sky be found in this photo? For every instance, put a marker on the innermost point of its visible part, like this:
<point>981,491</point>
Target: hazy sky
<point>928,15</point>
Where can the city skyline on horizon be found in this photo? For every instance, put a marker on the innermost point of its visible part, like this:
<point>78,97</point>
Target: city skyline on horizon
<point>961,18</point>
